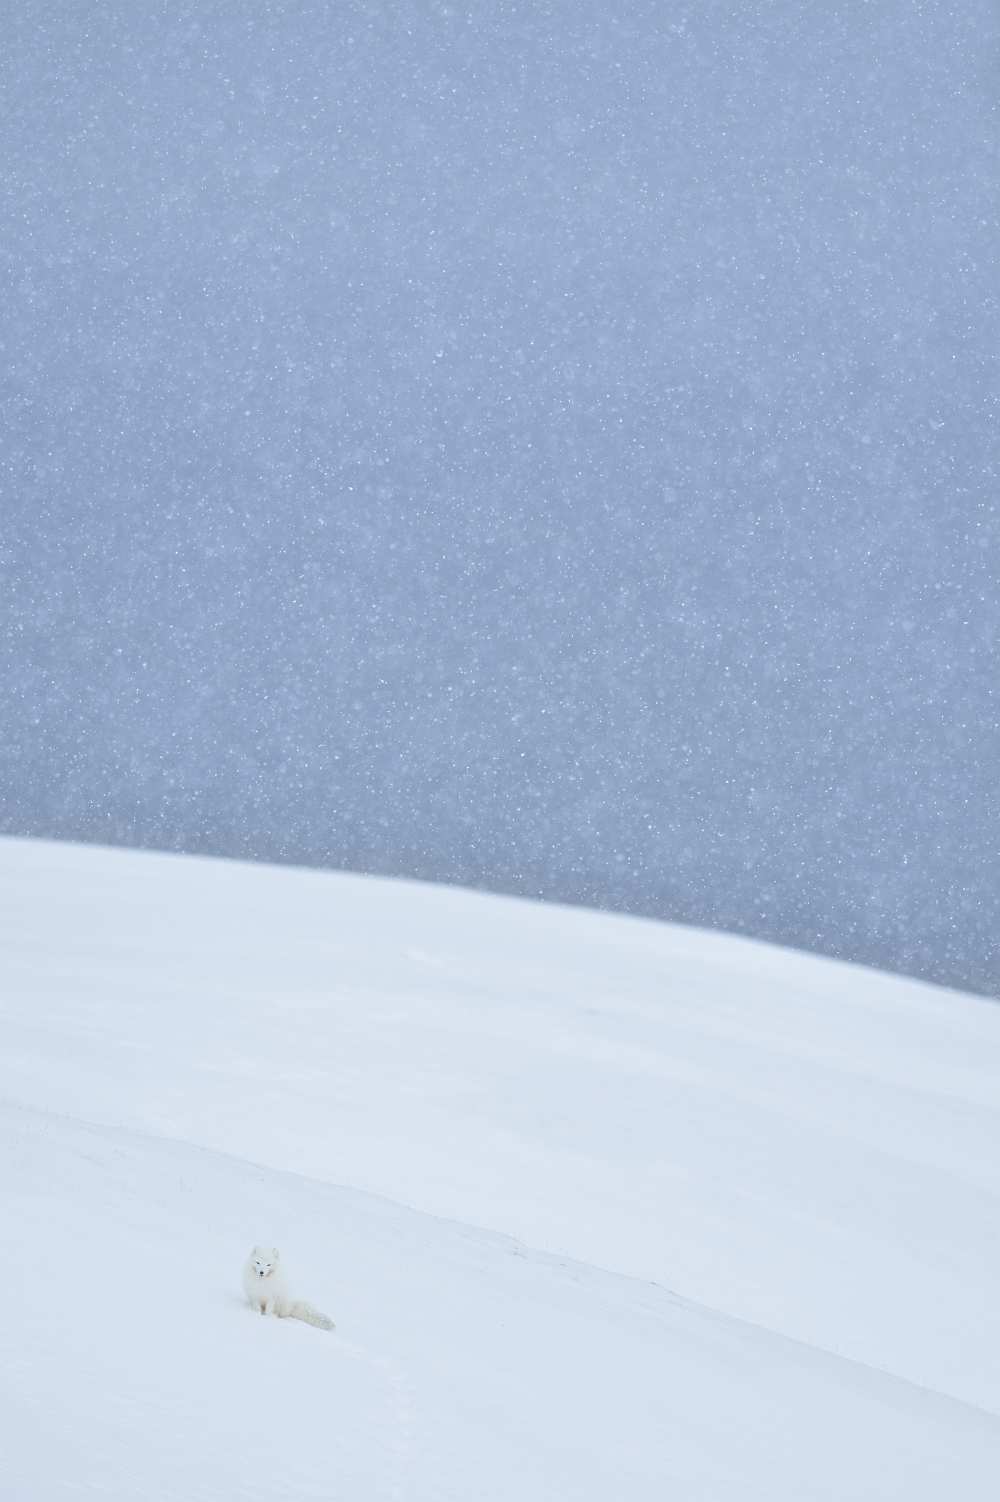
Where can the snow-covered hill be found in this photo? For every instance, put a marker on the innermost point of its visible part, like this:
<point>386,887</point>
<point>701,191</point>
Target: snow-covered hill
<point>603,1208</point>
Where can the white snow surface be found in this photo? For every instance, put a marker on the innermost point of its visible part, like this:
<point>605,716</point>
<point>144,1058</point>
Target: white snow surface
<point>603,1208</point>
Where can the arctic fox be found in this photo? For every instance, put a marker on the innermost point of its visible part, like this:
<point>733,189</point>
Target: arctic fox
<point>264,1284</point>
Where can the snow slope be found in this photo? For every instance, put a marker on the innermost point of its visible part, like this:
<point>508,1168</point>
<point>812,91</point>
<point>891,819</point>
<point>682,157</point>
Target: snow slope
<point>602,1208</point>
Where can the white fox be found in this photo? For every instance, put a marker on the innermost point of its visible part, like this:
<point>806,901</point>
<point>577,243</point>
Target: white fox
<point>264,1285</point>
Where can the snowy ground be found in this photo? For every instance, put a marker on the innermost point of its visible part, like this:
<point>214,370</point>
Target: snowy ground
<point>603,1209</point>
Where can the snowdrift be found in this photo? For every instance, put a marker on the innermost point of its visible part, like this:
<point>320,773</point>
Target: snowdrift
<point>602,1208</point>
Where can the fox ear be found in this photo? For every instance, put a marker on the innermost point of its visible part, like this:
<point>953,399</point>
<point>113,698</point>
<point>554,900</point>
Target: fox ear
<point>277,1254</point>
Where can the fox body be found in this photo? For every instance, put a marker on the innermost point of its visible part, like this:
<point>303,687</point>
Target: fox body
<point>266,1290</point>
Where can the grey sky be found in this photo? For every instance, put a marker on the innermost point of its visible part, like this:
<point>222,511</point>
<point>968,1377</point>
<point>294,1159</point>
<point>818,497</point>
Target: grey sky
<point>546,446</point>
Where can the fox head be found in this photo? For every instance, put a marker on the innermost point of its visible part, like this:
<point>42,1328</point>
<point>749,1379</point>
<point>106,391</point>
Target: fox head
<point>263,1260</point>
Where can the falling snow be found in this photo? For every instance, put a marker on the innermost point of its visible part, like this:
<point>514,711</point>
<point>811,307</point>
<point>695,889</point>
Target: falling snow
<point>541,446</point>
